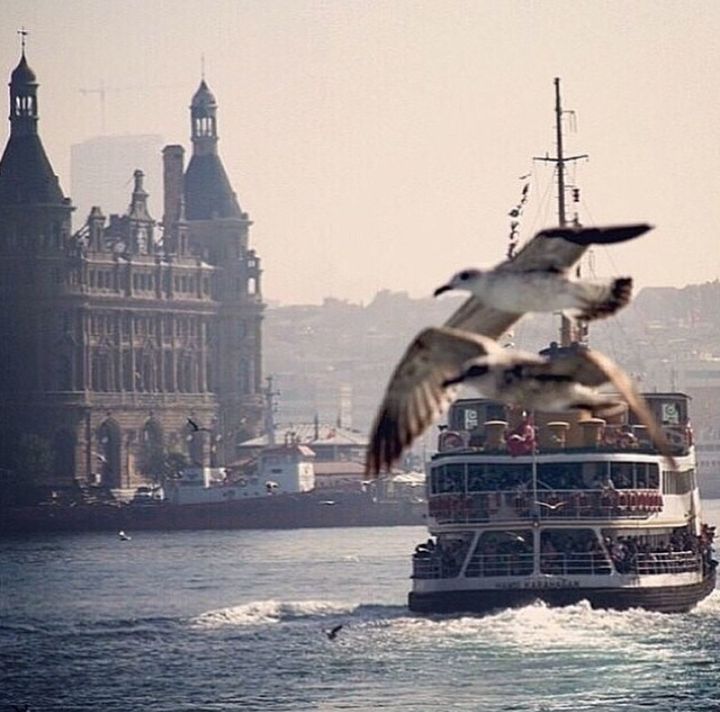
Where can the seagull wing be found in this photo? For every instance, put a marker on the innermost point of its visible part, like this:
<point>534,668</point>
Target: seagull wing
<point>415,396</point>
<point>557,249</point>
<point>626,388</point>
<point>591,368</point>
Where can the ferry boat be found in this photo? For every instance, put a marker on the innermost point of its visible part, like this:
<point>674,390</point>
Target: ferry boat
<point>562,510</point>
<point>562,507</point>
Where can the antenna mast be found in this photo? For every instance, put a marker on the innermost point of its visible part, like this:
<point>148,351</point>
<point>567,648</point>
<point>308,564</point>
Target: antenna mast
<point>567,330</point>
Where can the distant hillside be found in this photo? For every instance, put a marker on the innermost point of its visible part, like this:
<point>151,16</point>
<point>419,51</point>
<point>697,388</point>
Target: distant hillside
<point>340,352</point>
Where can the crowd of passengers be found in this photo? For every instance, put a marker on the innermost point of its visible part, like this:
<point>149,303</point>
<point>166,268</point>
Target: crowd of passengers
<point>637,555</point>
<point>447,556</point>
<point>562,552</point>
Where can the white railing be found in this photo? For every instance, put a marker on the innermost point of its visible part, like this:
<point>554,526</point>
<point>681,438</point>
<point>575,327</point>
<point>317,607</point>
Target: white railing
<point>665,562</point>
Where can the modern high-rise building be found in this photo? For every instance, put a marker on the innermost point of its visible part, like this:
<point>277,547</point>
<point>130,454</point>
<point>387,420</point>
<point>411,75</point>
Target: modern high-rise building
<point>101,171</point>
<point>125,339</point>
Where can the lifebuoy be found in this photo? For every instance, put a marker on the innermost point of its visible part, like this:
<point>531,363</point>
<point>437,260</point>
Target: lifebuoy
<point>451,440</point>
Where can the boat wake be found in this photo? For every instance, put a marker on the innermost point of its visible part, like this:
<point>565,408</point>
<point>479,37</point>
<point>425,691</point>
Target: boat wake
<point>269,612</point>
<point>536,628</point>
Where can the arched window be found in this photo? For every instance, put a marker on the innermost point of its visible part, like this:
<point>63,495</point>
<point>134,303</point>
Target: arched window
<point>152,449</point>
<point>109,453</point>
<point>64,455</point>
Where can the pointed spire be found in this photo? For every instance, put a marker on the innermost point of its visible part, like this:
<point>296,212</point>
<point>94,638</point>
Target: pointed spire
<point>208,192</point>
<point>26,175</point>
<point>203,117</point>
<point>138,203</point>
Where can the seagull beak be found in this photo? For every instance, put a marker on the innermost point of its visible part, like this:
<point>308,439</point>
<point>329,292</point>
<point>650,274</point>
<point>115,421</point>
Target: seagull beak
<point>440,290</point>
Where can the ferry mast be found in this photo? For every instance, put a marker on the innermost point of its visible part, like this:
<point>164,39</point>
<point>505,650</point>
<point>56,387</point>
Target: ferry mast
<point>568,328</point>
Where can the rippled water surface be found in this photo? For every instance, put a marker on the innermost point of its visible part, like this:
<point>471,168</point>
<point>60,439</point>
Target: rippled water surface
<point>236,620</point>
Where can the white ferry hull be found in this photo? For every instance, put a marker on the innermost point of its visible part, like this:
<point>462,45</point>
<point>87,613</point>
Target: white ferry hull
<point>667,598</point>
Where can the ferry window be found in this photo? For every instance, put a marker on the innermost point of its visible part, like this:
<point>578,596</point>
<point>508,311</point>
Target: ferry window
<point>502,553</point>
<point>679,482</point>
<point>475,476</point>
<point>453,479</point>
<point>436,475</point>
<point>560,476</point>
<point>622,474</point>
<point>492,477</point>
<point>646,475</point>
<point>571,551</point>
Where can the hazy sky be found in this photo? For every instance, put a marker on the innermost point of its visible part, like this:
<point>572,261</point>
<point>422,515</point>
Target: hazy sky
<point>378,144</point>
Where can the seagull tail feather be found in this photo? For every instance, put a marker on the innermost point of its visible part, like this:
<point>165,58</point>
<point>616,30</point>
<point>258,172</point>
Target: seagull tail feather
<point>620,295</point>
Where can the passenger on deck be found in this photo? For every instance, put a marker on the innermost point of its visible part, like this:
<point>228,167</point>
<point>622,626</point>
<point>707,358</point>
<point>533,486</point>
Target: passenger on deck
<point>521,440</point>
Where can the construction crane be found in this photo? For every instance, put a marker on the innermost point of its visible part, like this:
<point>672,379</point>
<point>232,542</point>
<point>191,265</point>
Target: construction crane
<point>102,91</point>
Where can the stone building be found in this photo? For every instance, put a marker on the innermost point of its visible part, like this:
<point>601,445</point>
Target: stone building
<point>114,337</point>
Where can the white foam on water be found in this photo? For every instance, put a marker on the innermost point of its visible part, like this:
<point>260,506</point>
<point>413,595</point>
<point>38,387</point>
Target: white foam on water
<point>269,612</point>
<point>539,629</point>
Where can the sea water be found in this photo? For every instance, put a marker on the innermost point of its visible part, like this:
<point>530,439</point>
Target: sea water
<point>237,620</point>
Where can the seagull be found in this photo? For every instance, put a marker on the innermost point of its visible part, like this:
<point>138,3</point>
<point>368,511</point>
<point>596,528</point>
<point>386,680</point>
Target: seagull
<point>557,505</point>
<point>196,428</point>
<point>123,536</point>
<point>416,396</point>
<point>541,288</point>
<point>565,379</point>
<point>332,633</point>
<point>543,291</point>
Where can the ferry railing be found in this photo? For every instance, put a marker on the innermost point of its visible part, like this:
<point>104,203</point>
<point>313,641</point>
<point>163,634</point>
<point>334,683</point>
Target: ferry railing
<point>662,562</point>
<point>438,565</point>
<point>479,507</point>
<point>492,564</point>
<point>427,568</point>
<point>568,563</point>
<point>559,564</point>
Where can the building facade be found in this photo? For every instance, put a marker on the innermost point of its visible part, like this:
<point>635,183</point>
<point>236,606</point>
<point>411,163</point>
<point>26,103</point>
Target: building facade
<point>126,339</point>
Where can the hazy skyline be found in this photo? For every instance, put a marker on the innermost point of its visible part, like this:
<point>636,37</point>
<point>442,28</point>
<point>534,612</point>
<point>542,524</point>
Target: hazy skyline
<point>378,144</point>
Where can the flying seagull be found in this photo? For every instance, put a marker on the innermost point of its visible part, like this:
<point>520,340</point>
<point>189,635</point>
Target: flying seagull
<point>332,633</point>
<point>123,536</point>
<point>557,505</point>
<point>416,396</point>
<point>563,380</point>
<point>544,290</point>
<point>196,428</point>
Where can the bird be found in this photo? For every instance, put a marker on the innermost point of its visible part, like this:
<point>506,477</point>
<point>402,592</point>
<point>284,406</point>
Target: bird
<point>196,428</point>
<point>543,291</point>
<point>415,396</point>
<point>556,505</point>
<point>123,536</point>
<point>332,633</point>
<point>564,379</point>
<point>541,288</point>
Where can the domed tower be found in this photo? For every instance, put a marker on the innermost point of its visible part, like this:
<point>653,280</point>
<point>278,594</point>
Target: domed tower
<point>218,233</point>
<point>26,176</point>
<point>39,326</point>
<point>208,193</point>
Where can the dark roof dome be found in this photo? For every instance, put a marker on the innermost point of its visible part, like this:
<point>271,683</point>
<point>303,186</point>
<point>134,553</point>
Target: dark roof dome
<point>203,97</point>
<point>22,74</point>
